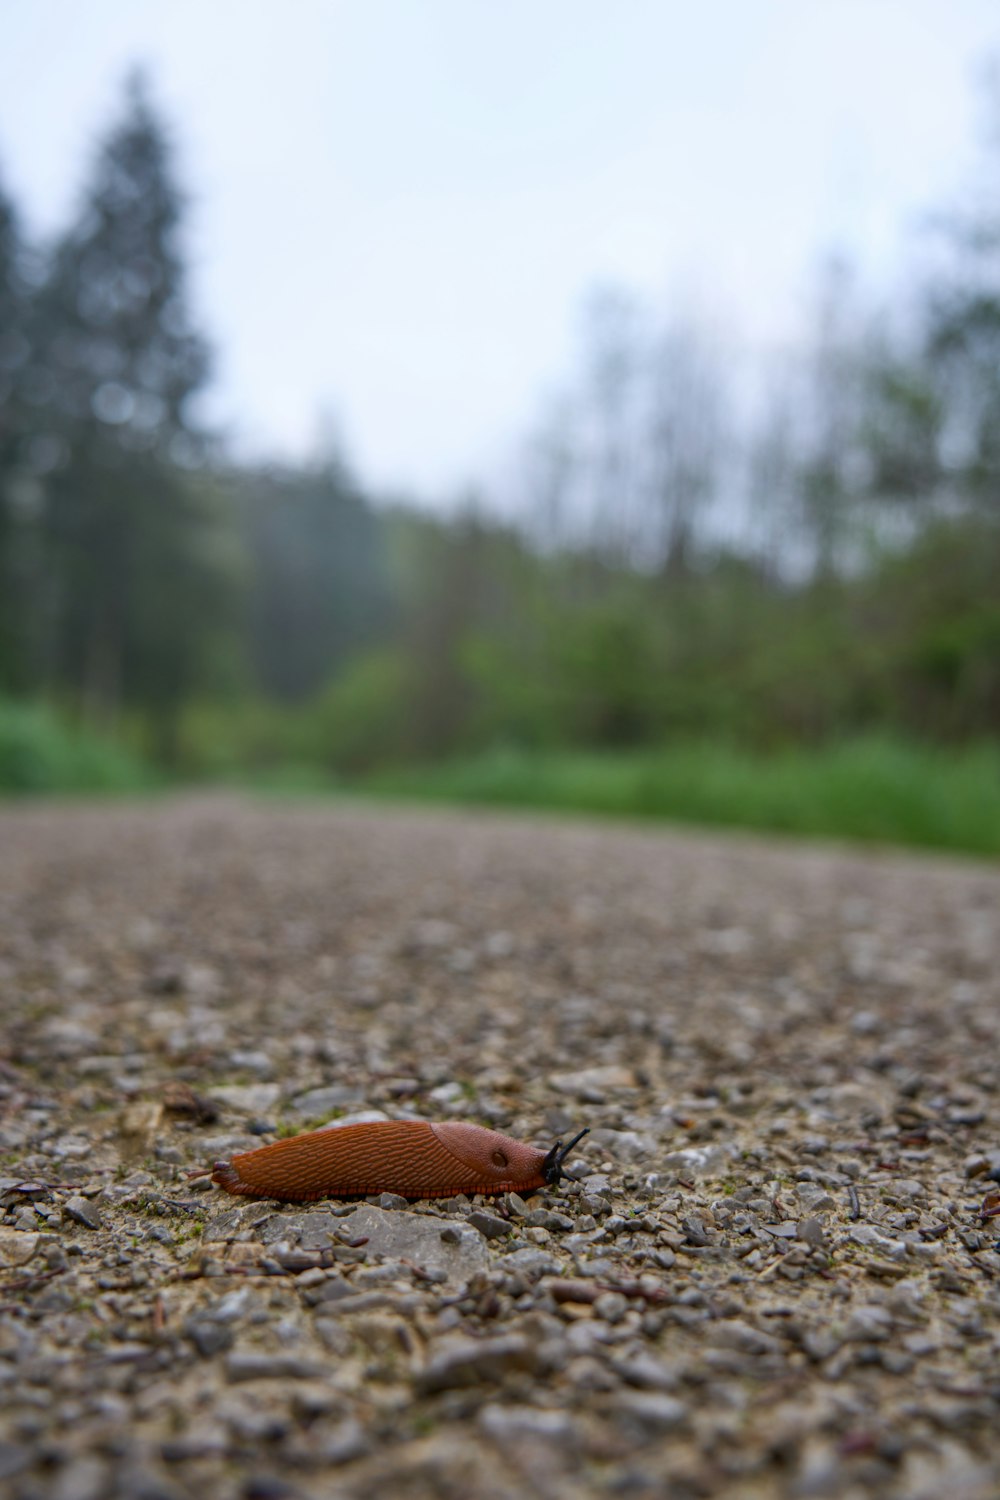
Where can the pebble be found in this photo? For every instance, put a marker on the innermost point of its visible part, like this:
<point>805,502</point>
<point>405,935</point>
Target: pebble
<point>489,1225</point>
<point>253,1099</point>
<point>517,1424</point>
<point>247,1365</point>
<point>83,1211</point>
<point>648,1413</point>
<point>316,1102</point>
<point>465,1362</point>
<point>812,1232</point>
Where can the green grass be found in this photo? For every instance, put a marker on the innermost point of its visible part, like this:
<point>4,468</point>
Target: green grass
<point>41,753</point>
<point>880,790</point>
<point>870,789</point>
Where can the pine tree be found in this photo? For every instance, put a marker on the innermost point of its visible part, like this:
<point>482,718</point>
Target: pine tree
<point>16,490</point>
<point>122,360</point>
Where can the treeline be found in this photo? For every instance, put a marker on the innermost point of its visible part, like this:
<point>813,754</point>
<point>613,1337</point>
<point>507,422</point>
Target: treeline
<point>783,553</point>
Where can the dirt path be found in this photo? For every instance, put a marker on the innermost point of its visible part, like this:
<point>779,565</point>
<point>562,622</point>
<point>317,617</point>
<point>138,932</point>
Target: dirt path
<point>774,1277</point>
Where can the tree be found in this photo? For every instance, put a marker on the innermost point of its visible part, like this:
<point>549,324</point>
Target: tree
<point>317,590</point>
<point>686,443</point>
<point>119,360</point>
<point>17,490</point>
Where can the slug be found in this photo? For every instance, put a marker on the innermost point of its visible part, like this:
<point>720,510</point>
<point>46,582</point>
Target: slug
<point>411,1157</point>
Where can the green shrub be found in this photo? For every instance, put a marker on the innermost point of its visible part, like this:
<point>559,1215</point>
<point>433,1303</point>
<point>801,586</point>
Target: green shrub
<point>869,789</point>
<point>39,752</point>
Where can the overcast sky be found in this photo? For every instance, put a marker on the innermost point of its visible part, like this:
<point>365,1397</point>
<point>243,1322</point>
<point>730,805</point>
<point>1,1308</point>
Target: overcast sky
<point>399,206</point>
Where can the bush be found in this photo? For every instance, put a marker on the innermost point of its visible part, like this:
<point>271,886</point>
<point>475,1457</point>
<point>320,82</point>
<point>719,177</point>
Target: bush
<point>39,752</point>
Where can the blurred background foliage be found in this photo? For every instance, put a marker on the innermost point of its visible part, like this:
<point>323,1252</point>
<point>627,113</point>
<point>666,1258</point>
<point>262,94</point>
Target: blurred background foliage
<point>709,595</point>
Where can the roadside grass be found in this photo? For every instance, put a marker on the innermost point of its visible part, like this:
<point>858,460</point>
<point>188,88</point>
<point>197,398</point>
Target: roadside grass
<point>875,790</point>
<point>41,753</point>
<point>871,789</point>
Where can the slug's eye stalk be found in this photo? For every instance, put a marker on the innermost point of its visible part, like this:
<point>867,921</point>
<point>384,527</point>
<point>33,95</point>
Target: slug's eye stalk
<point>552,1167</point>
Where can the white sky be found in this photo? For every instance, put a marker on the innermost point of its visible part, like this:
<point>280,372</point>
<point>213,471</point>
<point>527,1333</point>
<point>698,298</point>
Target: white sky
<point>399,206</point>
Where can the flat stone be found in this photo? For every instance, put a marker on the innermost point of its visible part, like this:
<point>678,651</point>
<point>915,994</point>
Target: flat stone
<point>514,1424</point>
<point>623,1145</point>
<point>83,1211</point>
<point>17,1246</point>
<point>467,1361</point>
<point>248,1098</point>
<point>13,1458</point>
<point>648,1413</point>
<point>868,1323</point>
<point>908,1187</point>
<point>489,1225</point>
<point>248,1060</point>
<point>209,1338</point>
<point>248,1365</point>
<point>648,1373</point>
<point>418,1238</point>
<point>811,1231</point>
<point>874,1239</point>
<point>345,1443</point>
<point>84,1478</point>
<point>589,1081</point>
<point>235,1223</point>
<point>320,1101</point>
<point>531,1261</point>
<point>733,1333</point>
<point>697,1161</point>
<point>546,1218</point>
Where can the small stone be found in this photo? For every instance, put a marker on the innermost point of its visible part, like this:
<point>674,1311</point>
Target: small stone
<point>246,1060</point>
<point>490,1226</point>
<point>316,1102</point>
<point>248,1365</point>
<point>873,1239</point>
<point>209,1338</point>
<point>732,1333</point>
<point>697,1161</point>
<point>345,1443</point>
<point>908,1187</point>
<point>83,1478</point>
<point>544,1218</point>
<point>591,1084</point>
<point>83,1211</point>
<point>202,1440</point>
<point>868,1323</point>
<point>648,1413</point>
<point>648,1373</point>
<point>815,1200</point>
<point>253,1099</point>
<point>513,1424</point>
<point>531,1261</point>
<point>611,1307</point>
<point>17,1246</point>
<point>811,1231</point>
<point>13,1458</point>
<point>469,1361</point>
<point>976,1165</point>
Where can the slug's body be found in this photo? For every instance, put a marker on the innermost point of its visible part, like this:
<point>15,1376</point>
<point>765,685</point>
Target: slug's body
<point>411,1157</point>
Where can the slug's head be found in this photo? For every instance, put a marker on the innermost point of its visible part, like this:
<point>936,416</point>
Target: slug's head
<point>552,1167</point>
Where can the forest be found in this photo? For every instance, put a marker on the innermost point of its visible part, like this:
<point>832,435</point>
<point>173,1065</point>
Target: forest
<point>776,557</point>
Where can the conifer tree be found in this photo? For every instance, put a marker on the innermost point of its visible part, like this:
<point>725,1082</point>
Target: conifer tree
<point>124,520</point>
<point>15,487</point>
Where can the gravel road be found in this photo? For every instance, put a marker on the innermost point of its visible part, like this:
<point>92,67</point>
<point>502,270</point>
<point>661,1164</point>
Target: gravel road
<point>778,1274</point>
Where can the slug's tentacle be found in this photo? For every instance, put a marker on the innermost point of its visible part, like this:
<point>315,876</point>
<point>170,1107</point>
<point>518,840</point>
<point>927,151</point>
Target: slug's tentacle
<point>411,1157</point>
<point>553,1170</point>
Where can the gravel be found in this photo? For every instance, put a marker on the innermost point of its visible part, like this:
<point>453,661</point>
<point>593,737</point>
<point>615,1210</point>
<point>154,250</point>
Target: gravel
<point>777,1273</point>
